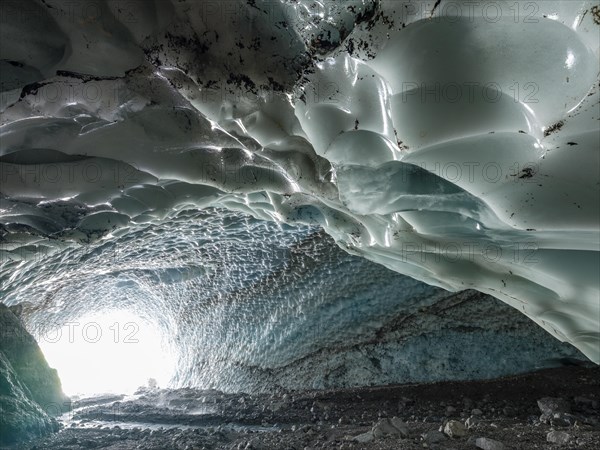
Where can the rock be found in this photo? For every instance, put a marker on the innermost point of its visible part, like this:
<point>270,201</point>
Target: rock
<point>560,419</point>
<point>277,406</point>
<point>509,411</point>
<point>593,421</point>
<point>434,437</point>
<point>558,437</point>
<point>555,411</point>
<point>365,437</point>
<point>550,406</point>
<point>477,412</point>
<point>471,422</point>
<point>489,444</point>
<point>400,425</point>
<point>393,426</point>
<point>455,429</point>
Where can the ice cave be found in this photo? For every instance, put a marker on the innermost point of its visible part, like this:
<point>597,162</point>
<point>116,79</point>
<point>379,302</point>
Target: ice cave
<point>299,224</point>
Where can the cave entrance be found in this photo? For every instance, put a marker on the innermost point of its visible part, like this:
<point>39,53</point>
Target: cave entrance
<point>110,352</point>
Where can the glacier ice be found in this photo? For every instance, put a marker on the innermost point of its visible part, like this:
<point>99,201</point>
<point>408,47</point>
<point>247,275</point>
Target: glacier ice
<point>454,144</point>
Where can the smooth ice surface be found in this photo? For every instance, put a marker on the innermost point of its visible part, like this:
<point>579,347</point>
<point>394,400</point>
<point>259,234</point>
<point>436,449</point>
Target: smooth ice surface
<point>459,148</point>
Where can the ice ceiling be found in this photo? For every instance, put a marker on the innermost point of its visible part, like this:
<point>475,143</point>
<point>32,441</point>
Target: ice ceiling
<point>454,142</point>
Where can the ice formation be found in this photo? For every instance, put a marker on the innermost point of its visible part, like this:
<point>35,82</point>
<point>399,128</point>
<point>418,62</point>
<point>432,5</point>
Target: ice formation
<point>454,142</point>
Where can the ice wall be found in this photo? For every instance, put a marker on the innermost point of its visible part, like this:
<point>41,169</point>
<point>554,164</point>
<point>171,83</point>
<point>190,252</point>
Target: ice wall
<point>252,305</point>
<point>454,142</point>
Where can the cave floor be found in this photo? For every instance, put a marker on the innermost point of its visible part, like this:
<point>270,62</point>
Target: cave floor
<point>504,410</point>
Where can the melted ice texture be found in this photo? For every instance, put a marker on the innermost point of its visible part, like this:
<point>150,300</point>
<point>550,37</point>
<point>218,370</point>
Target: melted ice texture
<point>459,149</point>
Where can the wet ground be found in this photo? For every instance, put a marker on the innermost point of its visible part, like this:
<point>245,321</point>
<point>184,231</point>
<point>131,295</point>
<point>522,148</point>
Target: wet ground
<point>550,409</point>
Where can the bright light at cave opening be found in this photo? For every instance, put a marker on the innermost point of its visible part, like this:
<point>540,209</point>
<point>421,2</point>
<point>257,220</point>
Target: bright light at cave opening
<point>110,352</point>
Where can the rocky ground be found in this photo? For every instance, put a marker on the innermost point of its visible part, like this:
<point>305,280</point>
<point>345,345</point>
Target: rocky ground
<point>555,408</point>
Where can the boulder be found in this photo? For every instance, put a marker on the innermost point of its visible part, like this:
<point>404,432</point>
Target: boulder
<point>393,426</point>
<point>364,438</point>
<point>550,405</point>
<point>471,422</point>
<point>489,444</point>
<point>558,437</point>
<point>455,429</point>
<point>434,437</point>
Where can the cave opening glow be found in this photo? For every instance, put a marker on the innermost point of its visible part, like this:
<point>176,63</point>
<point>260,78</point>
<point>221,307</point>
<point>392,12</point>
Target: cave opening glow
<point>108,352</point>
